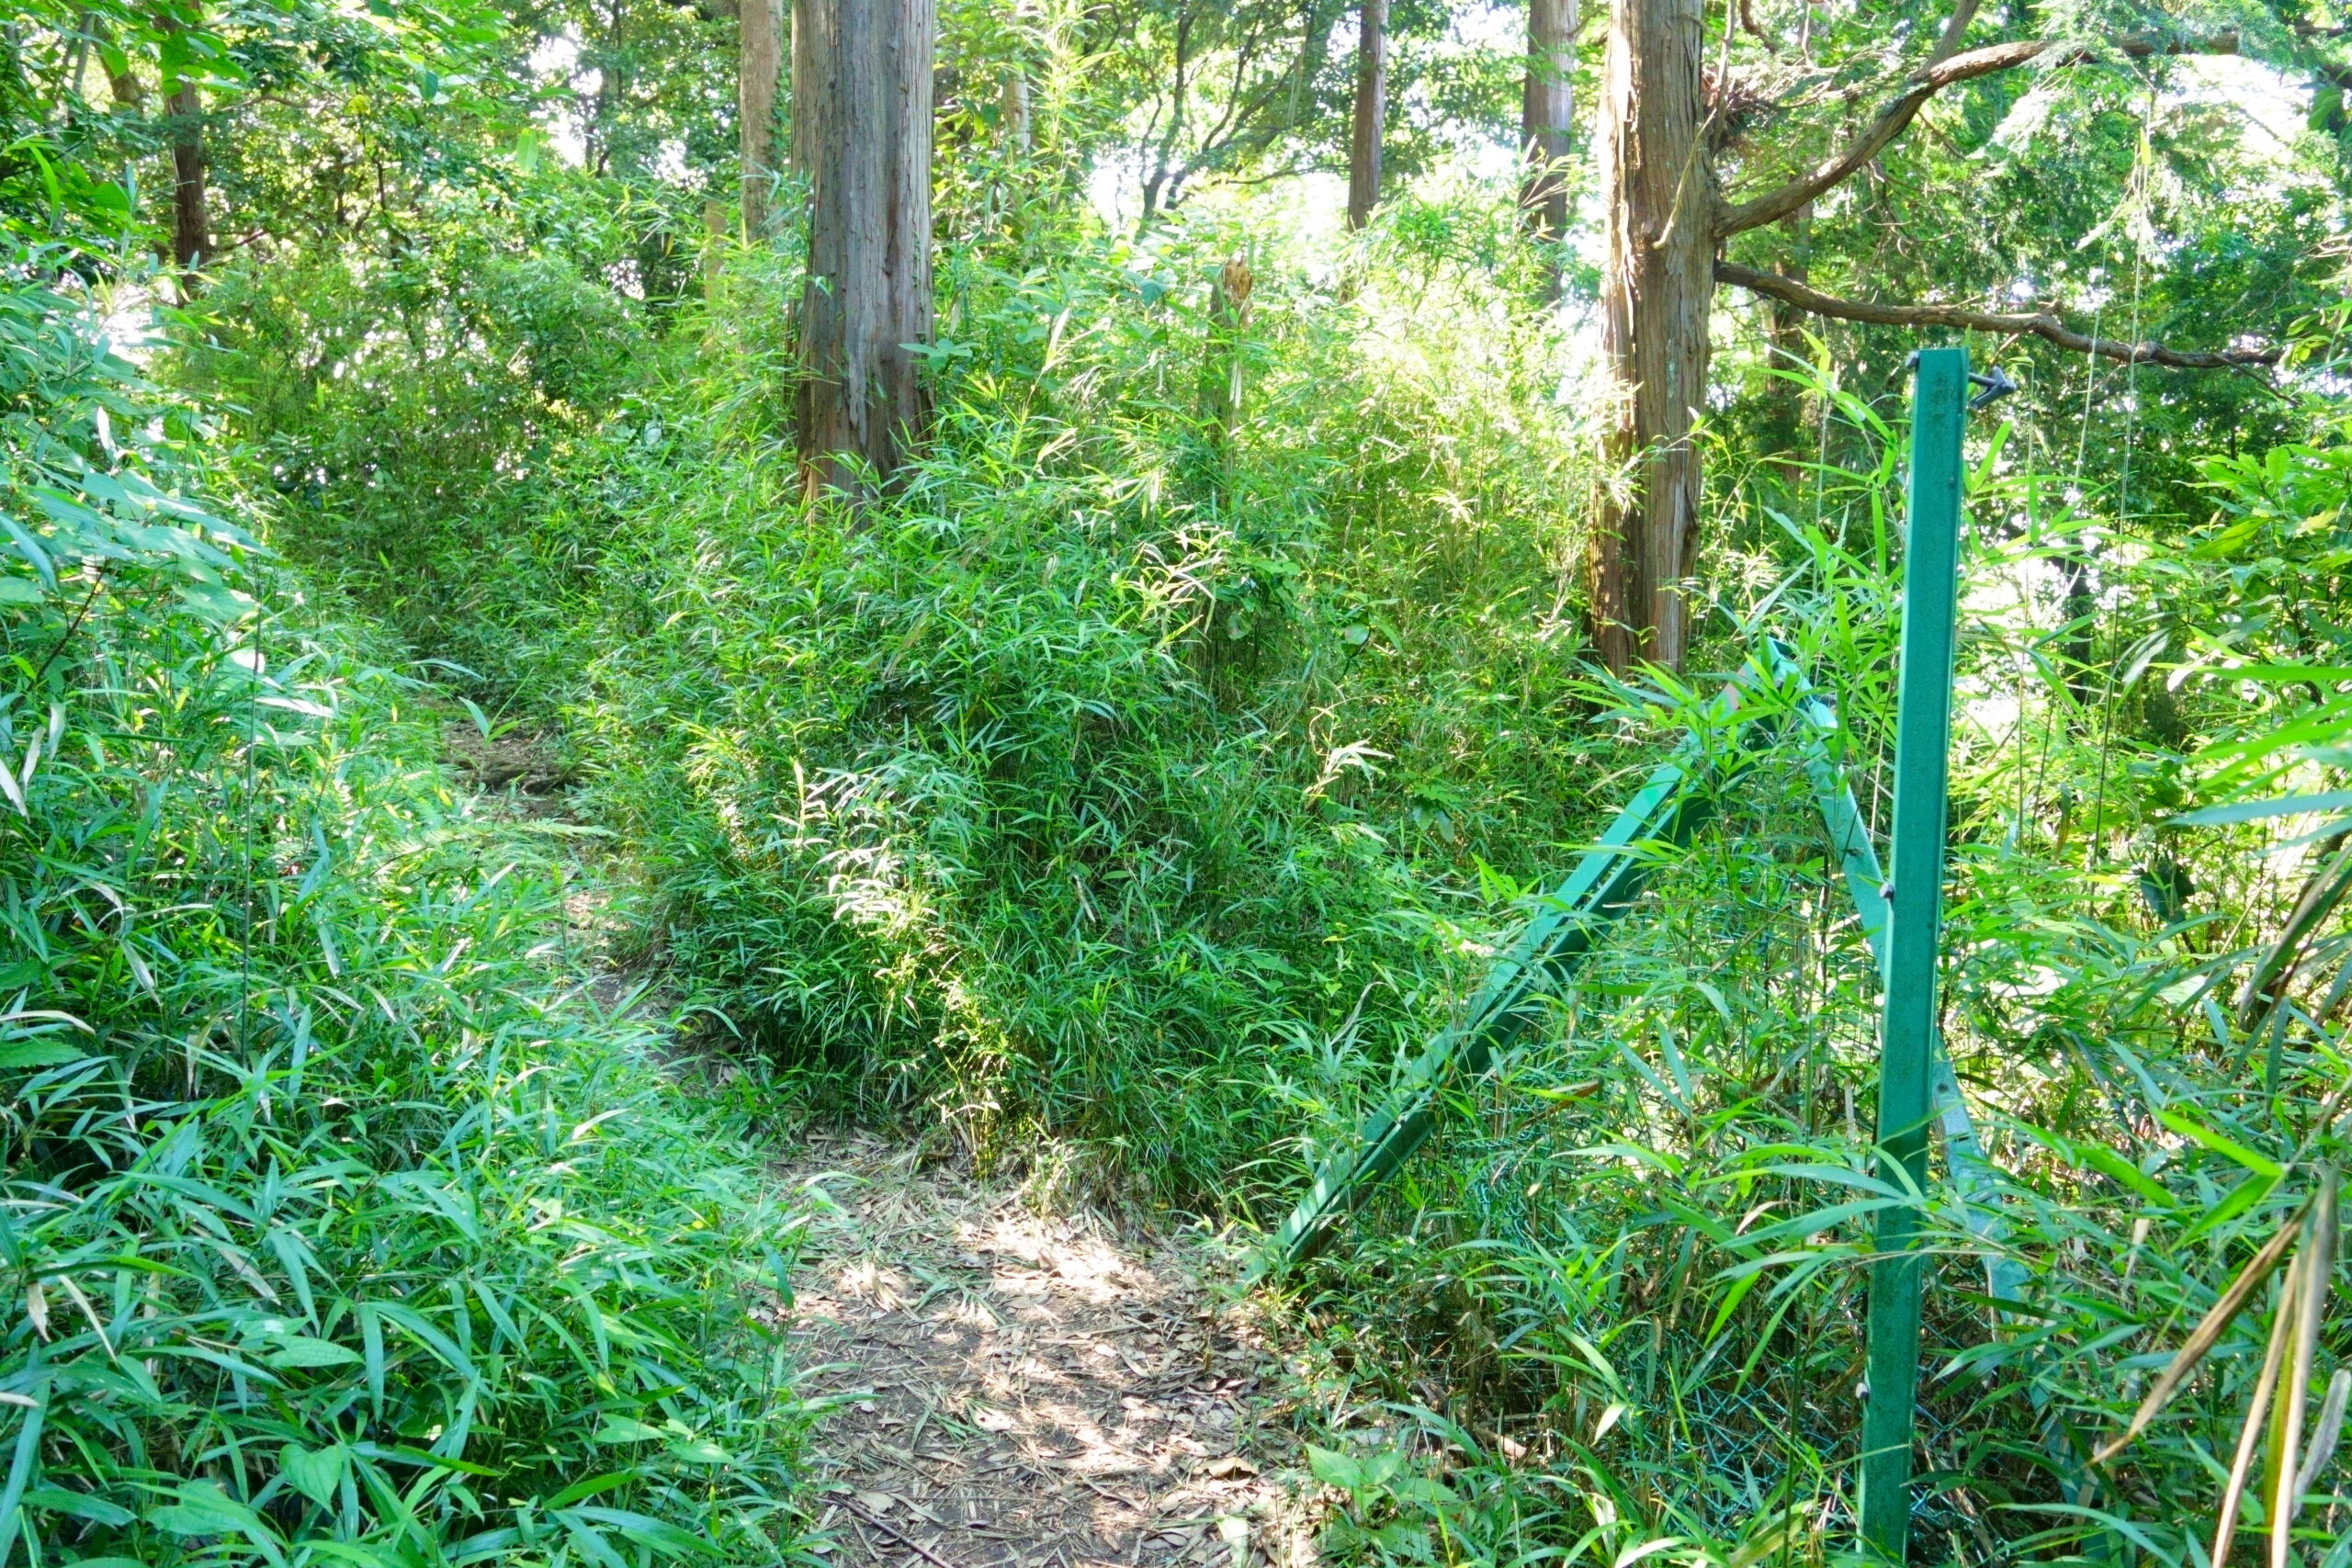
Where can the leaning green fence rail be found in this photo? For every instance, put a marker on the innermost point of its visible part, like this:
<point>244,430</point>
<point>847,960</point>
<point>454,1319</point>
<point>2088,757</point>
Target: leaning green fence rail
<point>1607,880</point>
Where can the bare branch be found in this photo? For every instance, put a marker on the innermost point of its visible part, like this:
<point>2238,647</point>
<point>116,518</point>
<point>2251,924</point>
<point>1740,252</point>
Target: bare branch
<point>1955,28</point>
<point>2037,324</point>
<point>1890,122</point>
<point>1942,70</point>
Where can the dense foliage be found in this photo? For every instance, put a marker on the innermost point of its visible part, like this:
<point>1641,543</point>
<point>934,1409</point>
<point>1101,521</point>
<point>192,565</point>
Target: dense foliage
<point>1113,798</point>
<point>347,1221</point>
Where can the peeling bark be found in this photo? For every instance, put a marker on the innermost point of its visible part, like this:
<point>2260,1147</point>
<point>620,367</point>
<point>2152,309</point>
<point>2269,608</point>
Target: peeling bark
<point>1371,112</point>
<point>1658,283</point>
<point>861,130</point>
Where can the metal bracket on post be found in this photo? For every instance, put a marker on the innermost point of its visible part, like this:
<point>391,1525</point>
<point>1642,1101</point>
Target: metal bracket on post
<point>1915,922</point>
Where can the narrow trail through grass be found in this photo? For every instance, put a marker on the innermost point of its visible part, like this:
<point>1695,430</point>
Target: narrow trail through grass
<point>1013,1391</point>
<point>1001,1387</point>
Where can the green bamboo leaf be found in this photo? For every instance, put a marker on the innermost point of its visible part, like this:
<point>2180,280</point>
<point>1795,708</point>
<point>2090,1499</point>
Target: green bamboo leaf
<point>32,549</point>
<point>2188,1127</point>
<point>579,1491</point>
<point>2207,1333</point>
<point>2256,811</point>
<point>2106,1162</point>
<point>299,1350</point>
<point>78,1506</point>
<point>623,1429</point>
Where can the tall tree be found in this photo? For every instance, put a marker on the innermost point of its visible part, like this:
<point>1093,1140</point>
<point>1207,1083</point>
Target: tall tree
<point>758,70</point>
<point>861,136</point>
<point>1547,112</point>
<point>1668,221</point>
<point>1371,111</point>
<point>1013,112</point>
<point>1656,286</point>
<point>191,216</point>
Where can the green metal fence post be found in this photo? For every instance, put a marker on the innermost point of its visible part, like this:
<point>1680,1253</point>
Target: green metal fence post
<point>1974,1181</point>
<point>1915,898</point>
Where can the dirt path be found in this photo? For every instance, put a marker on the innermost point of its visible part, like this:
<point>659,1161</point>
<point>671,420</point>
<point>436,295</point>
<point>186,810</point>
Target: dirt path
<point>1021,1391</point>
<point>1013,1392</point>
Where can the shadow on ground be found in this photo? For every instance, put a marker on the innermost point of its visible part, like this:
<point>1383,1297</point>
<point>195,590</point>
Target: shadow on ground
<point>1026,1390</point>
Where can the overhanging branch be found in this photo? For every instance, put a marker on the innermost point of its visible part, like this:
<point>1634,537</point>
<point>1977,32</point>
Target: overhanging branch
<point>2037,324</point>
<point>1942,70</point>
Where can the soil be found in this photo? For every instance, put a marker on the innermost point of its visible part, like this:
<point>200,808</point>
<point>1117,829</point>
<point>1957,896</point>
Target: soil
<point>1003,1388</point>
<point>1010,1390</point>
<point>532,763</point>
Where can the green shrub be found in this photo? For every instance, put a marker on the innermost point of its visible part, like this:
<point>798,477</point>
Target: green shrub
<point>1093,779</point>
<point>411,408</point>
<point>346,1224</point>
<point>1098,775</point>
<point>1633,1266</point>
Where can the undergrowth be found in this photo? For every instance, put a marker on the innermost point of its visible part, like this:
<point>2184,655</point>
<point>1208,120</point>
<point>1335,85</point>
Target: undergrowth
<point>1086,782</point>
<point>1120,790</point>
<point>348,1224</point>
<point>1619,1308</point>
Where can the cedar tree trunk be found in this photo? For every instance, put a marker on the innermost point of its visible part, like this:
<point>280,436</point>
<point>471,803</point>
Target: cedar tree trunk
<point>759,68</point>
<point>1658,282</point>
<point>714,246</point>
<point>1221,366</point>
<point>1666,222</point>
<point>861,133</point>
<point>1018,135</point>
<point>1547,111</point>
<point>191,222</point>
<point>1371,112</point>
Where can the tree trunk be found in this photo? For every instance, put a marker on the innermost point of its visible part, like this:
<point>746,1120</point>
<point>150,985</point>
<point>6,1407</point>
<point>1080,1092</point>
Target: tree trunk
<point>605,125</point>
<point>713,247</point>
<point>1547,112</point>
<point>861,131</point>
<point>759,68</point>
<point>1221,365</point>
<point>1658,283</point>
<point>1016,112</point>
<point>191,222</point>
<point>1787,409</point>
<point>1371,112</point>
<point>123,84</point>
